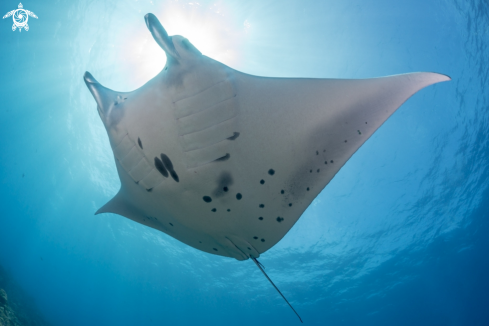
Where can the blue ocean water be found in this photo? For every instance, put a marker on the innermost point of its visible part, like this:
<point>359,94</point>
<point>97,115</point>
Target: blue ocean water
<point>399,237</point>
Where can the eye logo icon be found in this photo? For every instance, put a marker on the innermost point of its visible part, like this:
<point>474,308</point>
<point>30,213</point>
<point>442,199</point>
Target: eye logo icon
<point>20,17</point>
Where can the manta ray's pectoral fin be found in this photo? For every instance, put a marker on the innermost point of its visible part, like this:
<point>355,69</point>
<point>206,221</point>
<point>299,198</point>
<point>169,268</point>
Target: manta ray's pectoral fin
<point>161,37</point>
<point>261,267</point>
<point>118,205</point>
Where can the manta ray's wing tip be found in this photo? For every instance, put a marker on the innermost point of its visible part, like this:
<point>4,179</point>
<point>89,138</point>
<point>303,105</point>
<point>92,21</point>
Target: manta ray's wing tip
<point>443,77</point>
<point>101,210</point>
<point>423,79</point>
<point>440,77</point>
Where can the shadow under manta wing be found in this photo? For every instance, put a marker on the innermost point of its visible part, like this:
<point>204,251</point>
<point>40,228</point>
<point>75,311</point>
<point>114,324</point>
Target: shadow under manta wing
<point>227,162</point>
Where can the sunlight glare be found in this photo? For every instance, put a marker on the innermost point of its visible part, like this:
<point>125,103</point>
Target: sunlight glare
<point>211,29</point>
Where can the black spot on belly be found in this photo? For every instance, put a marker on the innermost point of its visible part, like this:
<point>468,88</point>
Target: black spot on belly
<point>249,248</point>
<point>224,180</point>
<point>169,166</point>
<point>260,218</point>
<point>160,167</point>
<point>310,171</point>
<point>261,205</point>
<point>331,161</point>
<point>262,240</point>
<point>213,209</point>
<point>207,199</point>
<point>166,161</point>
<point>214,249</point>
<point>346,141</point>
<point>224,158</point>
<point>255,238</point>
<point>359,132</point>
<point>325,162</point>
<point>200,241</point>
<point>140,143</point>
<point>307,189</point>
<point>271,171</point>
<point>280,219</point>
<point>229,210</point>
<point>170,224</point>
<point>149,190</point>
<point>290,204</point>
<point>318,171</point>
<point>234,136</point>
<point>282,192</point>
<point>174,176</point>
<point>262,181</point>
<point>239,196</point>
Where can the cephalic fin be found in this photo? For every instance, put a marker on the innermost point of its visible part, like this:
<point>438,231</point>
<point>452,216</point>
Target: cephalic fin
<point>161,36</point>
<point>104,96</point>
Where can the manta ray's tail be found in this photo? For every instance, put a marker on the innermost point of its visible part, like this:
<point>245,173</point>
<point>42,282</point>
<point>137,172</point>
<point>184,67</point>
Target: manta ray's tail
<point>276,288</point>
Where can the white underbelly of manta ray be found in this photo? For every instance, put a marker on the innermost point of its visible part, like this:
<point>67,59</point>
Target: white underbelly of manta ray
<point>227,162</point>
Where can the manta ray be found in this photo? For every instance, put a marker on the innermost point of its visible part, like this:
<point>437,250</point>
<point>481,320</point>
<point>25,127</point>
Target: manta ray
<point>227,162</point>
